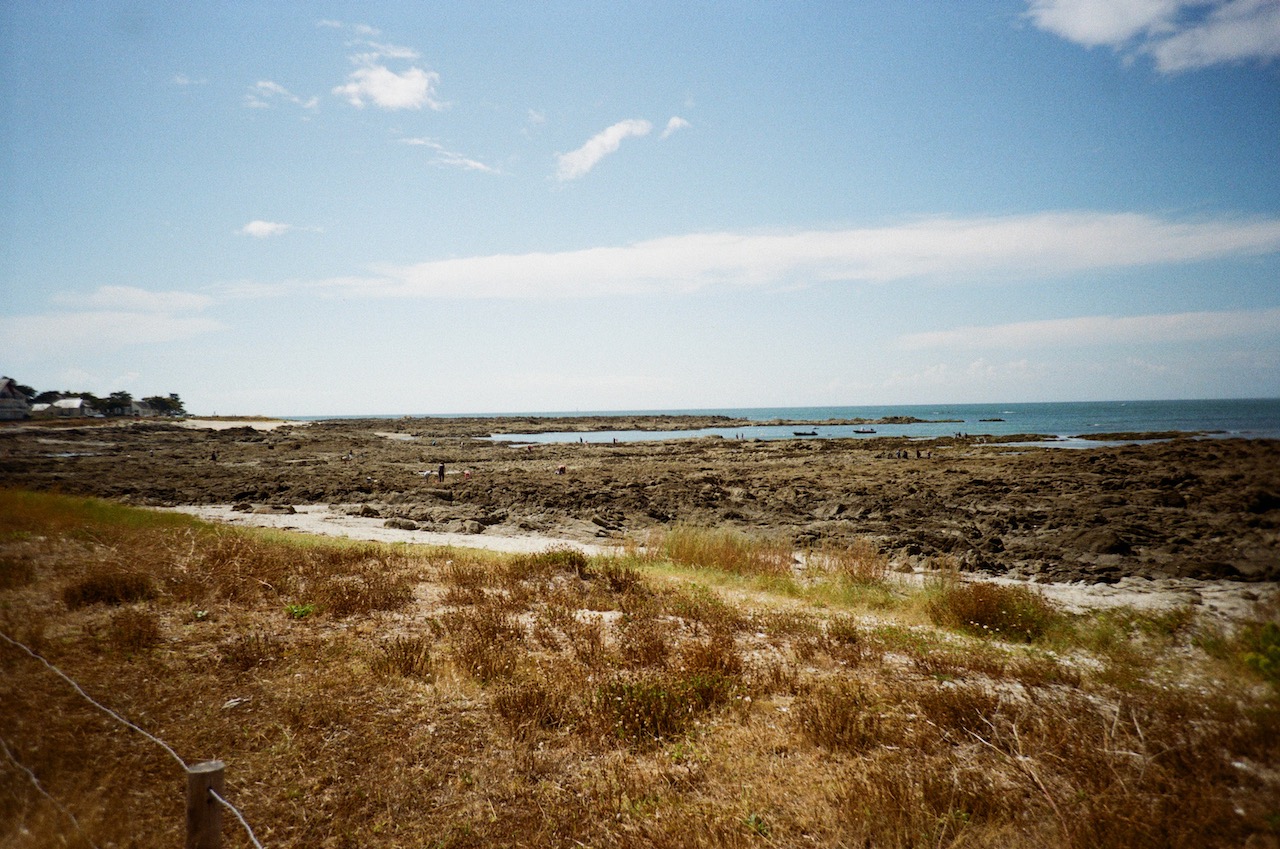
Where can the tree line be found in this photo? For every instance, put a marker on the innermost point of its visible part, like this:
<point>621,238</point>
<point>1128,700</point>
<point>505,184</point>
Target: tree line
<point>115,404</point>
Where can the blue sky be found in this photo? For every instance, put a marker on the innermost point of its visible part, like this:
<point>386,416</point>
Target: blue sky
<point>340,208</point>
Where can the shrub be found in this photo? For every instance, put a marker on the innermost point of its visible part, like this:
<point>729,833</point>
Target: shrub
<point>541,700</point>
<point>1260,646</point>
<point>484,640</point>
<point>109,585</point>
<point>986,609</point>
<point>661,706</point>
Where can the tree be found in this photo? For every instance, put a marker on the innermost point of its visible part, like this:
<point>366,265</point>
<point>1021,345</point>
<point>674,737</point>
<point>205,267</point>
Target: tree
<point>26,390</point>
<point>119,403</point>
<point>170,406</point>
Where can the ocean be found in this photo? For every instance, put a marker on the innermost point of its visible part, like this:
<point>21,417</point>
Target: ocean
<point>1067,422</point>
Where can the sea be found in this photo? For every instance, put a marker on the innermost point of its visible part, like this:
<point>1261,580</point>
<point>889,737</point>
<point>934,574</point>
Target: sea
<point>1067,424</point>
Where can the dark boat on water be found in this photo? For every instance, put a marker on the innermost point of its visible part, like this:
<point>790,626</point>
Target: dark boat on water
<point>864,430</point>
<point>805,432</point>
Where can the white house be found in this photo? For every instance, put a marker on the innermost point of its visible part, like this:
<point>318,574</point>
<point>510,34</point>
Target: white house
<point>13,404</point>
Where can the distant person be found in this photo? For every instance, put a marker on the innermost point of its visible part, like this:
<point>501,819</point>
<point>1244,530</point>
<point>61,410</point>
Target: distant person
<point>440,471</point>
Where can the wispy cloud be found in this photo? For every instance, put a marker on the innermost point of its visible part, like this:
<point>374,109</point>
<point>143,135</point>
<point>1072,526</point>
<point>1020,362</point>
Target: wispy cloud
<point>358,29</point>
<point>1043,246</point>
<point>265,93</point>
<point>449,158</point>
<point>576,163</point>
<point>133,299</point>
<point>1179,34</point>
<point>1091,331</point>
<point>676,123</point>
<point>184,80</point>
<point>110,317</point>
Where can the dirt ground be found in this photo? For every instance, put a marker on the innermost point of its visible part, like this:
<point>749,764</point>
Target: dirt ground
<point>1183,508</point>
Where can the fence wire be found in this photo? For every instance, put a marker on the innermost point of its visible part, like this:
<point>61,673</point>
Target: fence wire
<point>45,793</point>
<point>118,718</point>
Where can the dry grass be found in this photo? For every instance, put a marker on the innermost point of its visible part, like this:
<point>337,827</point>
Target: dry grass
<point>440,698</point>
<point>725,550</point>
<point>1012,612</point>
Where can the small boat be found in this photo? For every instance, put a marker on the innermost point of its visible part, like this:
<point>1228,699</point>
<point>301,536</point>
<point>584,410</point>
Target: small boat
<point>864,430</point>
<point>805,432</point>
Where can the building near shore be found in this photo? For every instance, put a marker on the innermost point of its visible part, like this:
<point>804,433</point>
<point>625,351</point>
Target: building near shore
<point>13,404</point>
<point>70,408</point>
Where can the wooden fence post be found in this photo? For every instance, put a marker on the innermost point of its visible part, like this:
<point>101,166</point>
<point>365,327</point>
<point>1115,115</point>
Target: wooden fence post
<point>204,813</point>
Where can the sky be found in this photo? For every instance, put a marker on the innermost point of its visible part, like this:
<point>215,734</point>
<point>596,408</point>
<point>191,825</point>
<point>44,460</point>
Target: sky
<point>325,208</point>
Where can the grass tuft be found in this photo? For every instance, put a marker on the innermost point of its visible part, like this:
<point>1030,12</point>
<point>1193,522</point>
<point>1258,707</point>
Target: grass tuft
<point>111,585</point>
<point>991,610</point>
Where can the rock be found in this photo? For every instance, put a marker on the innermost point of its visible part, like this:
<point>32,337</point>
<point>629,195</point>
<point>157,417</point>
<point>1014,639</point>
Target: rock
<point>275,509</point>
<point>368,512</point>
<point>1103,541</point>
<point>471,526</point>
<point>401,524</point>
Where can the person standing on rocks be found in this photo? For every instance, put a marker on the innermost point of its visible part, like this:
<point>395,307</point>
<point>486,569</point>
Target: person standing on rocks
<point>440,472</point>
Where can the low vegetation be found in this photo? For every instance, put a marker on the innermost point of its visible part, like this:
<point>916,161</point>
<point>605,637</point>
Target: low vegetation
<point>708,690</point>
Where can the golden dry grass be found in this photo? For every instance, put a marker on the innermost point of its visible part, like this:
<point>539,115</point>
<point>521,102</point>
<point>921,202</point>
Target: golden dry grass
<point>448,698</point>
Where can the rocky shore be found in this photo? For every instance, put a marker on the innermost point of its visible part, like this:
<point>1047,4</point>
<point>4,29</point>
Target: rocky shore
<point>1178,508</point>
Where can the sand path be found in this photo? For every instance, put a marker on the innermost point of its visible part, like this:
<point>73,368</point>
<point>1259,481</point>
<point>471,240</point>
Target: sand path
<point>320,519</point>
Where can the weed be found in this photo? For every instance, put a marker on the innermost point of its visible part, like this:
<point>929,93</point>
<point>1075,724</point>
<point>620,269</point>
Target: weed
<point>757,825</point>
<point>299,611</point>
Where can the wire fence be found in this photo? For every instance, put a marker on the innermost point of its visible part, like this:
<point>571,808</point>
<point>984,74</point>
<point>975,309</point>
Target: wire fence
<point>120,719</point>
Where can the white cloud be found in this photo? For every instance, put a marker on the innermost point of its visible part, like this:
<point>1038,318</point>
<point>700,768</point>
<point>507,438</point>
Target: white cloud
<point>576,163</point>
<point>184,80</point>
<point>449,158</point>
<point>1234,32</point>
<point>1179,34</point>
<point>262,94</point>
<point>676,123</point>
<point>1047,245</point>
<point>133,299</point>
<point>264,229</point>
<point>411,89</point>
<point>1091,331</point>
